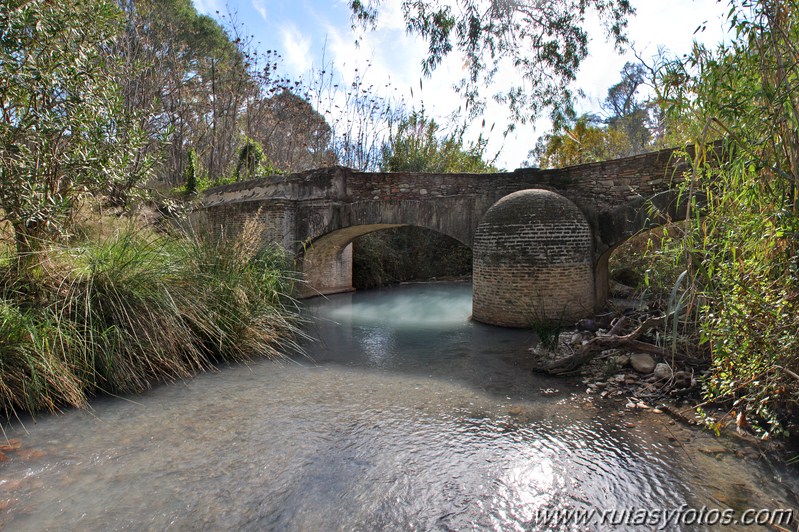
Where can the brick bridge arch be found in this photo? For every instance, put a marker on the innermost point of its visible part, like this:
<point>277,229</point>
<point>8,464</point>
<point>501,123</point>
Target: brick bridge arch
<point>316,214</point>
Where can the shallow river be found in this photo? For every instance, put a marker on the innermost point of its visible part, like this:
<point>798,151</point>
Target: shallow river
<point>403,415</point>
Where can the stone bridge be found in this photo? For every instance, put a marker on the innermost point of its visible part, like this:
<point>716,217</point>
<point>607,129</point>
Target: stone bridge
<point>540,238</point>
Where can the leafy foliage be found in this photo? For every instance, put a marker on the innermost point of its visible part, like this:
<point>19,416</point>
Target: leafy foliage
<point>193,173</point>
<point>585,142</point>
<point>64,130</point>
<point>633,125</point>
<point>742,255</point>
<point>416,146</point>
<point>543,41</point>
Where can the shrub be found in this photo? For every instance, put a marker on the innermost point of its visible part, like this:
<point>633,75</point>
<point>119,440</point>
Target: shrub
<point>119,313</point>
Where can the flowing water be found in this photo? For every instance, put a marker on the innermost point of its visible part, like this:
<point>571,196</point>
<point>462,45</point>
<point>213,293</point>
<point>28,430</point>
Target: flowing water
<point>403,415</point>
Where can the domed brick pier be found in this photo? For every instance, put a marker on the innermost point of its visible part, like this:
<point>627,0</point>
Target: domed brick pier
<point>532,261</point>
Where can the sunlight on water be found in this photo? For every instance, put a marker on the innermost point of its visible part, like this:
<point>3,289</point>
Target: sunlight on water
<point>402,416</point>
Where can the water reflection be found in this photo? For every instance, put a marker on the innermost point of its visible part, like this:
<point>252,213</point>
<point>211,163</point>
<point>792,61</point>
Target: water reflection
<point>383,427</point>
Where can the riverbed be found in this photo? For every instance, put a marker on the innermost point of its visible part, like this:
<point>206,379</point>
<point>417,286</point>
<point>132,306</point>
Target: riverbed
<point>401,414</point>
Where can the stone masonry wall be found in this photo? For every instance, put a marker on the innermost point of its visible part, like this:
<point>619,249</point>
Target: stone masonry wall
<point>277,218</point>
<point>532,262</point>
<point>595,187</point>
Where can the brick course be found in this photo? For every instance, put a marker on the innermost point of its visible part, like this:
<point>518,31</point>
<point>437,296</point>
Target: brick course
<point>532,261</point>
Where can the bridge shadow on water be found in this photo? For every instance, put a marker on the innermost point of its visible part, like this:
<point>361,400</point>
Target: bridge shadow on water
<point>425,329</point>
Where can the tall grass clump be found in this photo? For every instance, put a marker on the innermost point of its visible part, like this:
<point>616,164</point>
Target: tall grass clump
<point>35,370</point>
<point>121,312</point>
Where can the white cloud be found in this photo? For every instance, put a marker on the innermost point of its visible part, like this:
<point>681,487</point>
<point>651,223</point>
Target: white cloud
<point>671,24</point>
<point>209,7</point>
<point>390,55</point>
<point>260,7</point>
<point>296,49</point>
<point>391,17</point>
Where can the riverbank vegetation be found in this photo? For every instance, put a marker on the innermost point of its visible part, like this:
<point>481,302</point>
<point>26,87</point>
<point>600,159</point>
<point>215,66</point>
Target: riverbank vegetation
<point>94,297</point>
<point>120,307</point>
<point>729,275</point>
<point>741,253</point>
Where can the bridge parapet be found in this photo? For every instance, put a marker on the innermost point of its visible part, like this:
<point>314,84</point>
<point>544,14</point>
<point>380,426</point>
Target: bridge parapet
<point>600,186</point>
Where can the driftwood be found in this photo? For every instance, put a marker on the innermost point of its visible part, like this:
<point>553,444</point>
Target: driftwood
<point>586,352</point>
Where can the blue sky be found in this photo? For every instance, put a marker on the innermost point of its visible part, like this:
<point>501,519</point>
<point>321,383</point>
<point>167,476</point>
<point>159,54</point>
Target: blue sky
<point>301,30</point>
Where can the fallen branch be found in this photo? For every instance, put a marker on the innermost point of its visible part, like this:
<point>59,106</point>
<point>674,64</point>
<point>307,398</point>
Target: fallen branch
<point>589,350</point>
<point>789,372</point>
<point>617,326</point>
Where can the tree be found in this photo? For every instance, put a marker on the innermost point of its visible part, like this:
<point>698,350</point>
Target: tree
<point>192,173</point>
<point>416,147</point>
<point>632,125</point>
<point>627,112</point>
<point>63,130</point>
<point>193,80</point>
<point>586,141</point>
<point>294,135</point>
<point>543,41</point>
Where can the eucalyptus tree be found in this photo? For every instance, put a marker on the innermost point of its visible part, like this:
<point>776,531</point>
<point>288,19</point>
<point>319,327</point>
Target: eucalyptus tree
<point>632,124</point>
<point>543,41</point>
<point>64,133</point>
<point>630,112</point>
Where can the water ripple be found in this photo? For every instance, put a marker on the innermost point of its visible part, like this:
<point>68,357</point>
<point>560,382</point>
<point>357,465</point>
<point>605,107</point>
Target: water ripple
<point>390,427</point>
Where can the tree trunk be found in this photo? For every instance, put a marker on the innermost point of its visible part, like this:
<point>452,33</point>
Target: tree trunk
<point>27,244</point>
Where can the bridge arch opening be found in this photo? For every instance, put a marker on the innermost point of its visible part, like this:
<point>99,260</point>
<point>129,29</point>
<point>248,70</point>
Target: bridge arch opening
<point>329,262</point>
<point>631,225</point>
<point>626,268</point>
<point>408,253</point>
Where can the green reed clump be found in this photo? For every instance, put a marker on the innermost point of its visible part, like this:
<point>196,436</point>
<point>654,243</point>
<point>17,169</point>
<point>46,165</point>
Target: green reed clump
<point>741,248</point>
<point>118,313</point>
<point>741,300</point>
<point>242,307</point>
<point>35,372</point>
